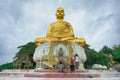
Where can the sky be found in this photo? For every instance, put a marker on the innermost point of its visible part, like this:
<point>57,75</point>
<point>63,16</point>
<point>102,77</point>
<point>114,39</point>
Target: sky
<point>22,21</point>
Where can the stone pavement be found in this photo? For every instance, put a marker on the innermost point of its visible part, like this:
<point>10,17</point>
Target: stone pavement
<point>24,78</point>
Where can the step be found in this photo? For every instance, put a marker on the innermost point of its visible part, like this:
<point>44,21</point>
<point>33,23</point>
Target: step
<point>62,75</point>
<point>55,70</point>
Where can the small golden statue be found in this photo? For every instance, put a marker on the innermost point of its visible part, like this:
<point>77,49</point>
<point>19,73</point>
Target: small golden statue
<point>60,53</point>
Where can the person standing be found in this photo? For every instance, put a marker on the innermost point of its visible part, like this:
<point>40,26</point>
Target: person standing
<point>77,61</point>
<point>60,66</point>
<point>72,66</point>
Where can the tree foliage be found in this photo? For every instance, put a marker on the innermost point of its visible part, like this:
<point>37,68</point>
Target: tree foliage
<point>116,53</point>
<point>103,56</point>
<point>106,50</point>
<point>27,48</point>
<point>94,57</point>
<point>7,66</point>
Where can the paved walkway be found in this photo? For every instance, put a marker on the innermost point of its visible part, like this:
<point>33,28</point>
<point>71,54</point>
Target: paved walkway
<point>24,78</point>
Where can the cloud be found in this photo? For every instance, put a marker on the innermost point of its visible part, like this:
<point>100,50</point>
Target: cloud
<point>24,20</point>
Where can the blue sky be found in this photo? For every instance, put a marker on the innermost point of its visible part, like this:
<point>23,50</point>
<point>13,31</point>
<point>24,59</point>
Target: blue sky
<point>21,21</point>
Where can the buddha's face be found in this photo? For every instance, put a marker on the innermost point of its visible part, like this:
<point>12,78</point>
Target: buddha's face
<point>60,13</point>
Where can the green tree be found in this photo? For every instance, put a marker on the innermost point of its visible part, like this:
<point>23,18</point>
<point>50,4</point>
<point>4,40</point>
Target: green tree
<point>87,47</point>
<point>94,57</point>
<point>116,53</point>
<point>7,66</point>
<point>106,50</point>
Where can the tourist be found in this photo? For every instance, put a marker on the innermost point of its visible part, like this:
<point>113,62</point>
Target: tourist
<point>77,61</point>
<point>72,66</point>
<point>60,66</point>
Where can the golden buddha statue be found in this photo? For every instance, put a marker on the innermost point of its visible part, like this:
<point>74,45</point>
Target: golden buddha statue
<point>59,44</point>
<point>60,31</point>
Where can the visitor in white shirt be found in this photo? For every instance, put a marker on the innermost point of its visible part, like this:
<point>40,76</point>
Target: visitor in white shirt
<point>77,61</point>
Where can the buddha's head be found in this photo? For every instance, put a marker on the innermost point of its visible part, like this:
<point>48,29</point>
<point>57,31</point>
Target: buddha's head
<point>60,13</point>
